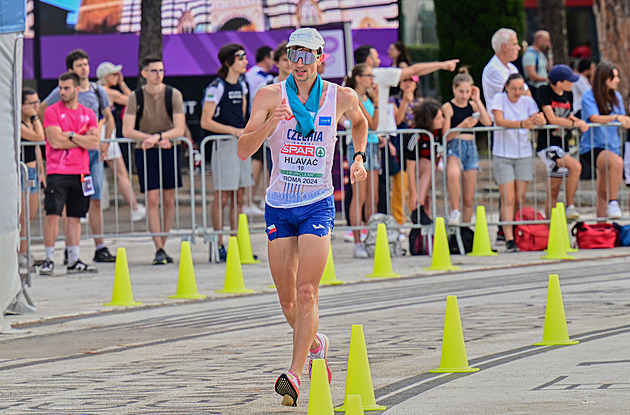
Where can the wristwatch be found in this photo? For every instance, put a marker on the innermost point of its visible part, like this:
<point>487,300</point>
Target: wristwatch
<point>359,153</point>
<point>71,135</point>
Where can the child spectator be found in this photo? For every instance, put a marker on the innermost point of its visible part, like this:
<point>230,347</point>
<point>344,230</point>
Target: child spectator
<point>512,149</point>
<point>427,116</point>
<point>556,101</point>
<point>465,110</point>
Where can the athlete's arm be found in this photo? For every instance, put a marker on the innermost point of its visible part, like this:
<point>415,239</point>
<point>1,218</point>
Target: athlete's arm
<point>267,111</point>
<point>348,100</point>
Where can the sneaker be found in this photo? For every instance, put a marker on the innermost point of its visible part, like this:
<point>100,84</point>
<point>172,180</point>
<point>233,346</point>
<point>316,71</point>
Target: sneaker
<point>103,255</point>
<point>288,386</point>
<point>161,258</point>
<point>500,236</point>
<point>510,246</point>
<point>424,218</point>
<point>572,213</point>
<point>222,254</point>
<point>139,214</point>
<point>252,210</point>
<point>613,210</point>
<point>455,218</point>
<point>560,172</point>
<point>79,267</point>
<point>348,237</point>
<point>65,256</point>
<point>359,251</point>
<point>47,267</point>
<point>320,354</point>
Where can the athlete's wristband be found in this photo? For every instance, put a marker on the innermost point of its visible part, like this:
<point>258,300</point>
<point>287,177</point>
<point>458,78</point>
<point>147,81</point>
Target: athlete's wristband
<point>360,153</point>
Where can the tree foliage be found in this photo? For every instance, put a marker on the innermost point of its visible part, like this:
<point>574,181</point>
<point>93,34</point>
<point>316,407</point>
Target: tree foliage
<point>465,28</point>
<point>150,30</point>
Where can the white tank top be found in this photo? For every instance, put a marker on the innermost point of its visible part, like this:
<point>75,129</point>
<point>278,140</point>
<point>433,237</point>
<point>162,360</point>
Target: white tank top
<point>302,166</point>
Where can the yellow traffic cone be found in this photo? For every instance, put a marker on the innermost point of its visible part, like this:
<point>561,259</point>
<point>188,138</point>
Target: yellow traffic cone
<point>556,246</point>
<point>186,283</point>
<point>453,358</point>
<point>319,399</point>
<point>359,378</point>
<point>330,276</point>
<point>441,260</point>
<point>481,240</point>
<point>565,233</point>
<point>244,243</point>
<point>555,332</point>
<point>354,406</point>
<point>122,295</point>
<point>382,258</point>
<point>234,283</point>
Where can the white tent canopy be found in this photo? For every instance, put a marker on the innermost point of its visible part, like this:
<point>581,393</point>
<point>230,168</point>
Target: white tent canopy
<point>12,20</point>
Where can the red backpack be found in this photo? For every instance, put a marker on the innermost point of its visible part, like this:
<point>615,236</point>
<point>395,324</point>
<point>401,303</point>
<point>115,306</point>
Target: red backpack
<point>595,236</point>
<point>530,237</point>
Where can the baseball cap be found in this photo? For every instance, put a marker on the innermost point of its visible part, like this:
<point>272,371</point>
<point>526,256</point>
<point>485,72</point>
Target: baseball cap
<point>306,37</point>
<point>105,68</point>
<point>561,73</point>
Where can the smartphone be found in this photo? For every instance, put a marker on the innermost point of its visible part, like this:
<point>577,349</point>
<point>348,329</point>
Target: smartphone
<point>475,115</point>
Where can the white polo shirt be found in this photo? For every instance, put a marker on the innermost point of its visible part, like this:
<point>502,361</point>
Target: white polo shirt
<point>385,78</point>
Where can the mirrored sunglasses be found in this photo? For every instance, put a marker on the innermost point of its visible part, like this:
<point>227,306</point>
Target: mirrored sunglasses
<point>307,57</point>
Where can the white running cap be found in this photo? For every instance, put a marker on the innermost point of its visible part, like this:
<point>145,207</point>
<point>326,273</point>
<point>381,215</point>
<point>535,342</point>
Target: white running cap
<point>306,37</point>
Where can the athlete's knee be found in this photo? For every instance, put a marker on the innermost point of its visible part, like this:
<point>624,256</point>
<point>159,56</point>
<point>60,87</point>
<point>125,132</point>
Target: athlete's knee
<point>307,294</point>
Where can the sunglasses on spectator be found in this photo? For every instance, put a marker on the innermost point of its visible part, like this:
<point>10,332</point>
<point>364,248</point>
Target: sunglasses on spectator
<point>307,57</point>
<point>240,55</point>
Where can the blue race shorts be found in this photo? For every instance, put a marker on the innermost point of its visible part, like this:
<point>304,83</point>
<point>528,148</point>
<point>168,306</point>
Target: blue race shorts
<point>316,219</point>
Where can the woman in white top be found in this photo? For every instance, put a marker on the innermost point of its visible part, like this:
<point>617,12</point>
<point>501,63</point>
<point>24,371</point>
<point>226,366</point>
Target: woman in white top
<point>512,148</point>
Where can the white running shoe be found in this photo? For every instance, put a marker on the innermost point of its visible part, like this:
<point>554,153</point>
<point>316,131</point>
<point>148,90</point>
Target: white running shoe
<point>613,210</point>
<point>253,210</point>
<point>139,214</point>
<point>455,218</point>
<point>359,251</point>
<point>348,237</point>
<point>571,213</point>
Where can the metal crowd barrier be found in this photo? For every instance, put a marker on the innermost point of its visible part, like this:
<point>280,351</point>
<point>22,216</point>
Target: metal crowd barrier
<point>185,224</point>
<point>115,224</point>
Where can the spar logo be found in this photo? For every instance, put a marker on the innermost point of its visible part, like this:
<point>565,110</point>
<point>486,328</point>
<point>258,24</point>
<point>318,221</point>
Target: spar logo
<point>296,150</point>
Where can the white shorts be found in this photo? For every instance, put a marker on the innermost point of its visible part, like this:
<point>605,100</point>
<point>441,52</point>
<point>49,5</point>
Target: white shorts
<point>229,172</point>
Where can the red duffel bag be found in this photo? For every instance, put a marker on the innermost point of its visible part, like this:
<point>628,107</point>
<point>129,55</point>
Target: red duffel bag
<point>595,236</point>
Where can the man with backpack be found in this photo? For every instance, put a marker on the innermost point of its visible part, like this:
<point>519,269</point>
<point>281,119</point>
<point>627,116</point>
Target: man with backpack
<point>155,115</point>
<point>536,60</point>
<point>94,97</point>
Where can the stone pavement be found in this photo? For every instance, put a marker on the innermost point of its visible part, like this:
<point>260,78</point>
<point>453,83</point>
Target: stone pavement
<point>62,295</point>
<point>221,355</point>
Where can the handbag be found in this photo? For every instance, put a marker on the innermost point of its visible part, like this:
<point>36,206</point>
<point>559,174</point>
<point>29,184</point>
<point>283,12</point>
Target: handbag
<point>595,236</point>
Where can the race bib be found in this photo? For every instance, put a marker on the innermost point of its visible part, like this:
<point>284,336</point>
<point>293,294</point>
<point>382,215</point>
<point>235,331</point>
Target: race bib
<point>302,164</point>
<point>86,184</point>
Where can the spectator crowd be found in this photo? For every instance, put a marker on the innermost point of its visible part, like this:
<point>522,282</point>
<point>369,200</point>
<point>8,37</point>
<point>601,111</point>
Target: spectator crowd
<point>519,91</point>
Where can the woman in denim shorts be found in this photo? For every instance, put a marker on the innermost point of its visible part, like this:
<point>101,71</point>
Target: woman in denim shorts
<point>365,193</point>
<point>31,130</point>
<point>465,110</point>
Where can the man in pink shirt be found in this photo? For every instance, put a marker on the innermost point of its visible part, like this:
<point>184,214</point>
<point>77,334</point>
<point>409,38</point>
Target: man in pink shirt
<point>71,129</point>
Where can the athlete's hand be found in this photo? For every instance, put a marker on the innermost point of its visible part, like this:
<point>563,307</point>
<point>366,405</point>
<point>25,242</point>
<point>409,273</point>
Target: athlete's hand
<point>282,111</point>
<point>357,171</point>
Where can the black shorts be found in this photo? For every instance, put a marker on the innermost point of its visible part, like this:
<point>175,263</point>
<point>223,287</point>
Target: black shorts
<point>171,168</point>
<point>65,190</point>
<point>588,171</point>
<point>258,155</point>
